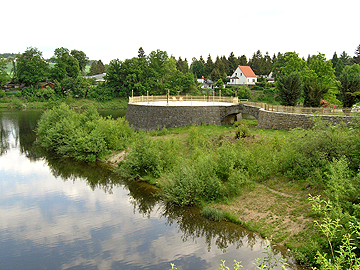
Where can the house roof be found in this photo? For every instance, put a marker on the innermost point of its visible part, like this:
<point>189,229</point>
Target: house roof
<point>247,71</point>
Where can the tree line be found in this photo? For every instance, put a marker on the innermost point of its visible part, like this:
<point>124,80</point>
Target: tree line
<point>297,80</point>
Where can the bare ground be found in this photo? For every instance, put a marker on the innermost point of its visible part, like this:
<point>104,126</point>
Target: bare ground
<point>275,214</point>
<point>115,158</point>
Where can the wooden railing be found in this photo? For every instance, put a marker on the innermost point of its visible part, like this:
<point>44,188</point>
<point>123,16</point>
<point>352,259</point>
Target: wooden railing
<point>303,110</point>
<point>176,100</point>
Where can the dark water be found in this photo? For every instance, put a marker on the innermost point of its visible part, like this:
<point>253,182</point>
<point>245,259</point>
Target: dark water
<point>59,214</point>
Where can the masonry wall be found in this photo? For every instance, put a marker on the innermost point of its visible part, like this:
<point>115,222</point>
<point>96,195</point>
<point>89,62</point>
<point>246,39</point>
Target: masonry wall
<point>149,117</point>
<point>281,120</point>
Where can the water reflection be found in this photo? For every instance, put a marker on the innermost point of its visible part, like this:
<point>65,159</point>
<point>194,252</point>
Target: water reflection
<point>57,213</point>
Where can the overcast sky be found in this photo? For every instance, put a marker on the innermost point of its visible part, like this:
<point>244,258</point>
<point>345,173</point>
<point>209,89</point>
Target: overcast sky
<point>110,29</point>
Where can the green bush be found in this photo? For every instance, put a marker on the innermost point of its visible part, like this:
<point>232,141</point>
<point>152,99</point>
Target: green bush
<point>82,135</point>
<point>100,93</point>
<point>32,93</point>
<point>213,213</point>
<point>308,152</point>
<point>242,131</point>
<point>194,182</point>
<point>150,158</point>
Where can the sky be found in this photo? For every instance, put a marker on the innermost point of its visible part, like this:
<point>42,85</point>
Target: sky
<point>110,29</point>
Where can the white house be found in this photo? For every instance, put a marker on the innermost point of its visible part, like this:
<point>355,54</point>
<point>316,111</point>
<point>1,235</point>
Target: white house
<point>243,75</point>
<point>206,83</point>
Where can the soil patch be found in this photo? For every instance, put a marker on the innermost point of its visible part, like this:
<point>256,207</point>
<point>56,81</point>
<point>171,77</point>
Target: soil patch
<point>276,215</point>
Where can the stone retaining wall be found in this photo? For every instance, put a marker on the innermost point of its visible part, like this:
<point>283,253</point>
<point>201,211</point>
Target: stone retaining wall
<point>150,117</point>
<point>281,120</point>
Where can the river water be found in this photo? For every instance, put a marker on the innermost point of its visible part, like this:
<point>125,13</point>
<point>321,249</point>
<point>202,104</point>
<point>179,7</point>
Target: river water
<point>56,213</point>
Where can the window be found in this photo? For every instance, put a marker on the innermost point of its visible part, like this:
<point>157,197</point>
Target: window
<point>240,74</point>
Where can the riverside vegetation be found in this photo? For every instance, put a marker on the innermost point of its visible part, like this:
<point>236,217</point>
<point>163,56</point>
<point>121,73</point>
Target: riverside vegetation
<point>258,178</point>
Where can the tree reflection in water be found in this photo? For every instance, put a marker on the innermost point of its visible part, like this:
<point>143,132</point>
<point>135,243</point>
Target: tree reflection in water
<point>145,198</point>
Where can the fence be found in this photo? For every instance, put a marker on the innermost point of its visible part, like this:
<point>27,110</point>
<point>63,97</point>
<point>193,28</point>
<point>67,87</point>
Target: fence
<point>176,100</point>
<point>303,110</point>
<point>194,100</point>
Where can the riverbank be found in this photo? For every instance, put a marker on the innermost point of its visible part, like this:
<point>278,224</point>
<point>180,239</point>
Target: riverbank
<point>255,177</point>
<point>15,103</point>
<point>274,206</point>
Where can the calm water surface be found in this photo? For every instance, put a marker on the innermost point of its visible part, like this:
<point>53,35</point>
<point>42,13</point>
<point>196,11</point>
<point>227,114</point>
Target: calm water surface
<point>60,214</point>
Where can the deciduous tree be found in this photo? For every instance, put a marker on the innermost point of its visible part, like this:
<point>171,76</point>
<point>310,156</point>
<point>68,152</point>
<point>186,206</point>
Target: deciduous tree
<point>81,57</point>
<point>318,80</point>
<point>4,77</point>
<point>65,65</point>
<point>31,67</point>
<point>350,85</point>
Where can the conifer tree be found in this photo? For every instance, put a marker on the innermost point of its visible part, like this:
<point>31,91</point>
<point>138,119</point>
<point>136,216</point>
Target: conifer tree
<point>356,58</point>
<point>209,66</point>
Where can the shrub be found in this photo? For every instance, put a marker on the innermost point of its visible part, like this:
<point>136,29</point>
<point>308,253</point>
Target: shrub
<point>308,152</point>
<point>213,213</point>
<point>149,157</point>
<point>82,135</point>
<point>101,93</point>
<point>242,131</point>
<point>194,182</point>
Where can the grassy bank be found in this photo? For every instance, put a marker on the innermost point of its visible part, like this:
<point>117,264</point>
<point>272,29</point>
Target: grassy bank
<point>258,178</point>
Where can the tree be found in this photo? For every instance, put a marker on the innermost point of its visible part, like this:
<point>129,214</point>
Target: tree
<point>81,57</point>
<point>318,80</point>
<point>31,67</point>
<point>113,77</point>
<point>4,77</point>
<point>219,70</point>
<point>12,59</point>
<point>242,61</point>
<point>338,65</point>
<point>356,58</point>
<point>197,68</point>
<point>141,53</point>
<point>267,64</point>
<point>346,59</point>
<point>65,65</point>
<point>219,84</point>
<point>291,63</point>
<point>97,67</point>
<point>257,63</point>
<point>157,61</point>
<point>290,88</point>
<point>233,63</point>
<point>182,65</point>
<point>209,66</point>
<point>350,85</point>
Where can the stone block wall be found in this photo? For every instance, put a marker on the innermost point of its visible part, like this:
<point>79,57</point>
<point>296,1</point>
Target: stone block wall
<point>281,120</point>
<point>149,117</point>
